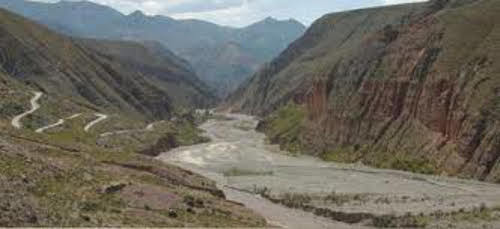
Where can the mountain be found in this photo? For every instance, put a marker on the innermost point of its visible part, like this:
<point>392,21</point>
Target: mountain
<point>102,73</point>
<point>253,45</point>
<point>78,129</point>
<point>165,71</point>
<point>411,87</point>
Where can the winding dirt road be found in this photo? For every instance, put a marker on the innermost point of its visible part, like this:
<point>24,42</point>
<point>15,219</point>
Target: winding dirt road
<point>16,121</point>
<point>100,118</point>
<point>150,127</point>
<point>58,123</point>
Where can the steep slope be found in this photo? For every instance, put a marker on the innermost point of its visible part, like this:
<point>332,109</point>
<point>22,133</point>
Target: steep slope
<point>267,38</point>
<point>64,178</point>
<point>69,175</point>
<point>147,84</point>
<point>172,75</point>
<point>237,68</point>
<point>258,43</point>
<point>411,87</point>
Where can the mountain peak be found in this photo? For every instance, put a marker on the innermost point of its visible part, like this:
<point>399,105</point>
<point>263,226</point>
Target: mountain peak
<point>273,22</point>
<point>270,19</point>
<point>82,3</point>
<point>137,13</point>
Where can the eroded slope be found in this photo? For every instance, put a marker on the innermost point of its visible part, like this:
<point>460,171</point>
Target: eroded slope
<point>402,87</point>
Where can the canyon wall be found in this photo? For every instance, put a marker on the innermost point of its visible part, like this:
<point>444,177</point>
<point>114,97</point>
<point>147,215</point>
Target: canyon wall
<point>419,83</point>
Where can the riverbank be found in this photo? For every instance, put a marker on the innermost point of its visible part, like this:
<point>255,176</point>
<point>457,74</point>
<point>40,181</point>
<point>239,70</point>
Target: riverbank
<point>66,177</point>
<point>247,168</point>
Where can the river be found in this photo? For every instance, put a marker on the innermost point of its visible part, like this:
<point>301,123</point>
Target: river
<point>240,161</point>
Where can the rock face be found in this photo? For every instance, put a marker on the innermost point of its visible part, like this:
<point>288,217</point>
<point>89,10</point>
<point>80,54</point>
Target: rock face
<point>222,56</point>
<point>418,81</point>
<point>98,73</point>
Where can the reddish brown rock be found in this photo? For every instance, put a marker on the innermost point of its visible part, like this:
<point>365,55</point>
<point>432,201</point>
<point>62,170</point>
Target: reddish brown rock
<point>418,81</point>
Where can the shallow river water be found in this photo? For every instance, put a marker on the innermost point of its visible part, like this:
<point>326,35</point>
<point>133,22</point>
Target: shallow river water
<point>239,160</point>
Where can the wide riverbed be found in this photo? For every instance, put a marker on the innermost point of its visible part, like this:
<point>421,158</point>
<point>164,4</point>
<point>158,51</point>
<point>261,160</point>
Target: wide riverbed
<point>238,158</point>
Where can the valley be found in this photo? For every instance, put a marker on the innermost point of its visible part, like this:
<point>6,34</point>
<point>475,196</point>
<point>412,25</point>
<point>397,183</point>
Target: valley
<point>383,117</point>
<point>66,156</point>
<point>330,195</point>
<point>222,56</point>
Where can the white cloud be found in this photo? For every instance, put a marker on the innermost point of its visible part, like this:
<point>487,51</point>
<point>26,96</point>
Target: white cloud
<point>242,12</point>
<point>395,2</point>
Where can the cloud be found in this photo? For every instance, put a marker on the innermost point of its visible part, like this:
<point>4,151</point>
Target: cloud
<point>253,10</point>
<point>195,6</point>
<point>242,12</point>
<point>395,2</point>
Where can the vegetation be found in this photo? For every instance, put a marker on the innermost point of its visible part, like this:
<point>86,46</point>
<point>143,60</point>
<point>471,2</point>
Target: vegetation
<point>376,84</point>
<point>283,127</point>
<point>64,178</point>
<point>286,124</point>
<point>312,203</point>
<point>475,215</point>
<point>387,160</point>
<point>344,155</point>
<point>341,198</point>
<point>233,172</point>
<point>69,177</point>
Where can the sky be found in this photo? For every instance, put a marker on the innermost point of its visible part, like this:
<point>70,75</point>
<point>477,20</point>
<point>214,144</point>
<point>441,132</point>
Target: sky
<point>239,13</point>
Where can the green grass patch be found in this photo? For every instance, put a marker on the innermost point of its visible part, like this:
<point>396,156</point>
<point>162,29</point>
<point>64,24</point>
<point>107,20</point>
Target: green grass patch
<point>245,172</point>
<point>187,133</point>
<point>385,160</point>
<point>400,161</point>
<point>284,127</point>
<point>343,155</point>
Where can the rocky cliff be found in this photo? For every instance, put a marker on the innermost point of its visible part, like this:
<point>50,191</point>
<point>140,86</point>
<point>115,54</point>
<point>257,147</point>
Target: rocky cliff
<point>401,87</point>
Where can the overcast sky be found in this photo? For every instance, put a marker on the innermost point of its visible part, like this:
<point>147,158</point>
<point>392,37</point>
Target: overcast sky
<point>239,13</point>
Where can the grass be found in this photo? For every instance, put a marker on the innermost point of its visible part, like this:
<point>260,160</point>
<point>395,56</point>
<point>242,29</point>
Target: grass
<point>415,165</point>
<point>188,134</point>
<point>399,161</point>
<point>343,154</point>
<point>475,215</point>
<point>71,188</point>
<point>67,172</point>
<point>284,126</point>
<point>407,221</point>
<point>233,172</point>
<point>295,200</point>
<point>385,160</point>
<point>309,202</point>
<point>341,198</point>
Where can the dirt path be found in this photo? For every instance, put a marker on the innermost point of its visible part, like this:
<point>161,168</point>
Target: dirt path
<point>362,190</point>
<point>148,128</point>
<point>100,118</point>
<point>16,121</point>
<point>58,123</point>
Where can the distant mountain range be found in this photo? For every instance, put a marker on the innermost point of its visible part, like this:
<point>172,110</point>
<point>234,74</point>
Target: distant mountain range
<point>141,80</point>
<point>222,56</point>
